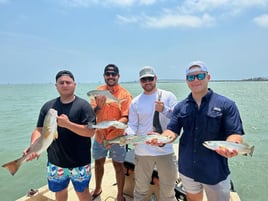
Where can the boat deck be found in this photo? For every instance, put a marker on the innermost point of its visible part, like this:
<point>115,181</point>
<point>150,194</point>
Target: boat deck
<point>109,188</point>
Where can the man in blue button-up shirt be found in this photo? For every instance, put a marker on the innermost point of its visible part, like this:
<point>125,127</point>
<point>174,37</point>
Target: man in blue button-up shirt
<point>204,115</point>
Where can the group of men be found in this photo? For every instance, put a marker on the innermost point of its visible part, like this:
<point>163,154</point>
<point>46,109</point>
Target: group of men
<point>203,115</point>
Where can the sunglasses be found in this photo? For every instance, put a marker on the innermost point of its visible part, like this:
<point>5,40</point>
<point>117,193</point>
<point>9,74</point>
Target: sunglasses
<point>67,82</point>
<point>191,78</point>
<point>147,79</point>
<point>113,74</point>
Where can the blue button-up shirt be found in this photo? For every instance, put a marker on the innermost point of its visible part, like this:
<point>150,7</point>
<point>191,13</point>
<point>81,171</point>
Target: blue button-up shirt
<point>216,119</point>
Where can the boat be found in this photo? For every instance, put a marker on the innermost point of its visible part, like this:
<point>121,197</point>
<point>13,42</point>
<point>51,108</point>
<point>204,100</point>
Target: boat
<point>109,187</point>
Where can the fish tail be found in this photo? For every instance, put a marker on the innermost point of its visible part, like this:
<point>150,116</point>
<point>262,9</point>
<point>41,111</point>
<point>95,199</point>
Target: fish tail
<point>56,135</point>
<point>105,143</point>
<point>251,151</point>
<point>120,101</point>
<point>119,105</point>
<point>90,125</point>
<point>13,166</point>
<point>122,141</point>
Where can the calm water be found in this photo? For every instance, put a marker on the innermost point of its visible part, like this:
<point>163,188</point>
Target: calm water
<point>20,106</point>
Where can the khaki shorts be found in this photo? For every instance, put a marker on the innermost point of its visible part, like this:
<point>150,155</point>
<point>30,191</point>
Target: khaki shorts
<point>219,191</point>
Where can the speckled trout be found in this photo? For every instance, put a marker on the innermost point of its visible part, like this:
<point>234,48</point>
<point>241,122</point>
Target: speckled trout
<point>109,97</point>
<point>107,124</point>
<point>48,134</point>
<point>242,148</point>
<point>138,139</point>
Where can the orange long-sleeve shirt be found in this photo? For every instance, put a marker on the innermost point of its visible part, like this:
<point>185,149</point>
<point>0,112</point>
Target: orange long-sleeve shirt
<point>113,111</point>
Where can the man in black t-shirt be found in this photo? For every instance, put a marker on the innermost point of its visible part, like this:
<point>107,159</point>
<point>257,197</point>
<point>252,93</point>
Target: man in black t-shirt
<point>69,156</point>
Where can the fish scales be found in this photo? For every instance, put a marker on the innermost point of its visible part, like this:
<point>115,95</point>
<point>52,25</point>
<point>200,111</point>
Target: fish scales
<point>107,124</point>
<point>241,148</point>
<point>109,97</point>
<point>138,139</point>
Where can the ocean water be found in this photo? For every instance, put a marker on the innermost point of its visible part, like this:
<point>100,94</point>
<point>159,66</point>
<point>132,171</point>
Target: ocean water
<point>20,106</point>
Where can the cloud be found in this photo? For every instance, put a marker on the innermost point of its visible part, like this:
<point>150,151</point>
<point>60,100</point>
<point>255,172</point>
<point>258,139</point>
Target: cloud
<point>130,2</point>
<point>80,3</point>
<point>261,20</point>
<point>169,18</point>
<point>127,20</point>
<point>223,7</point>
<point>86,3</point>
<point>192,13</point>
<point>179,21</point>
<point>179,14</point>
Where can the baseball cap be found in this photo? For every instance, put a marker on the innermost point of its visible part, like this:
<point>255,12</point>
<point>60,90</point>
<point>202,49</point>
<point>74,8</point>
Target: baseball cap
<point>112,68</point>
<point>147,71</point>
<point>64,72</point>
<point>200,64</point>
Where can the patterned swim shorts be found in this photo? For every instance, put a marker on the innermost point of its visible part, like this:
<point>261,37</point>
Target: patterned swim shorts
<point>59,178</point>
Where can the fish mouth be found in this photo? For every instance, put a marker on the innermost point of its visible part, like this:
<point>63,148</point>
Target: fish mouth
<point>205,143</point>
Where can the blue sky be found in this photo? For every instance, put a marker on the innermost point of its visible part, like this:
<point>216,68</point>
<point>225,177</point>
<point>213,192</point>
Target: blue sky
<point>40,37</point>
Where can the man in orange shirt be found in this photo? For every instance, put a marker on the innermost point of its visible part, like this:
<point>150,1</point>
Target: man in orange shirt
<point>109,112</point>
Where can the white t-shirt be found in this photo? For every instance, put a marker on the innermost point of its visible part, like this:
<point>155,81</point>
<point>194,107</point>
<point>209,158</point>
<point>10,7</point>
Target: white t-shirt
<point>140,121</point>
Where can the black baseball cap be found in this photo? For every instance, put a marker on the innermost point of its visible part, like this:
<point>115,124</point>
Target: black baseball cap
<point>64,72</point>
<point>111,68</point>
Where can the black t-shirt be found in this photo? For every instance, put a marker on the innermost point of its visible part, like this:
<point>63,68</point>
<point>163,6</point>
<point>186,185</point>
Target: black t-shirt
<point>69,150</point>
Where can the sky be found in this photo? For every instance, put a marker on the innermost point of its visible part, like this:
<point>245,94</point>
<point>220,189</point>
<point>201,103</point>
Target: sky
<point>38,38</point>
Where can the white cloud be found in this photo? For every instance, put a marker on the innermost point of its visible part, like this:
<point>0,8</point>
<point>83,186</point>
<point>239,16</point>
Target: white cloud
<point>188,13</point>
<point>262,20</point>
<point>170,20</point>
<point>130,2</point>
<point>147,2</point>
<point>85,3</point>
<point>80,3</point>
<point>229,7</point>
<point>127,20</point>
<point>119,2</point>
<point>179,21</point>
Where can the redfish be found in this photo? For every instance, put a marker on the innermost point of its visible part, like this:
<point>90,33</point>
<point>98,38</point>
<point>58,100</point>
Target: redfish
<point>48,134</point>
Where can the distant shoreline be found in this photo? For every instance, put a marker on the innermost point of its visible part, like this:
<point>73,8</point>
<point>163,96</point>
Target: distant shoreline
<point>175,80</point>
<point>159,81</point>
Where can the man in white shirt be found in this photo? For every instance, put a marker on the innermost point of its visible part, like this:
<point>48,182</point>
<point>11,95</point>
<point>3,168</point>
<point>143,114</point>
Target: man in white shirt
<point>141,122</point>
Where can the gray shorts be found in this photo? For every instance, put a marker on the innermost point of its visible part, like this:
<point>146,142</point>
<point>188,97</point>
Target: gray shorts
<point>116,152</point>
<point>219,191</point>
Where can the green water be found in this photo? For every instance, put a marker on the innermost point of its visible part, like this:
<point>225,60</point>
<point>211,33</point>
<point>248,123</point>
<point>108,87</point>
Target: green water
<point>20,106</point>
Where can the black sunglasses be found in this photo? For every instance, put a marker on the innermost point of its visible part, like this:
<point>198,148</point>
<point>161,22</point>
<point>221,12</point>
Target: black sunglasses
<point>191,78</point>
<point>67,82</point>
<point>145,79</point>
<point>113,74</point>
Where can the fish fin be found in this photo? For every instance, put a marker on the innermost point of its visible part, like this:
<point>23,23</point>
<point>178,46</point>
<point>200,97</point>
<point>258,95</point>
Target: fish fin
<point>13,166</point>
<point>105,143</point>
<point>120,101</point>
<point>244,143</point>
<point>56,135</point>
<point>251,150</point>
<point>91,97</point>
<point>122,141</point>
<point>47,133</point>
<point>90,125</point>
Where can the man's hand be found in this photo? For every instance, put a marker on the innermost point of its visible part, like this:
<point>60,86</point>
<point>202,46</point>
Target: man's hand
<point>30,156</point>
<point>100,101</point>
<point>226,152</point>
